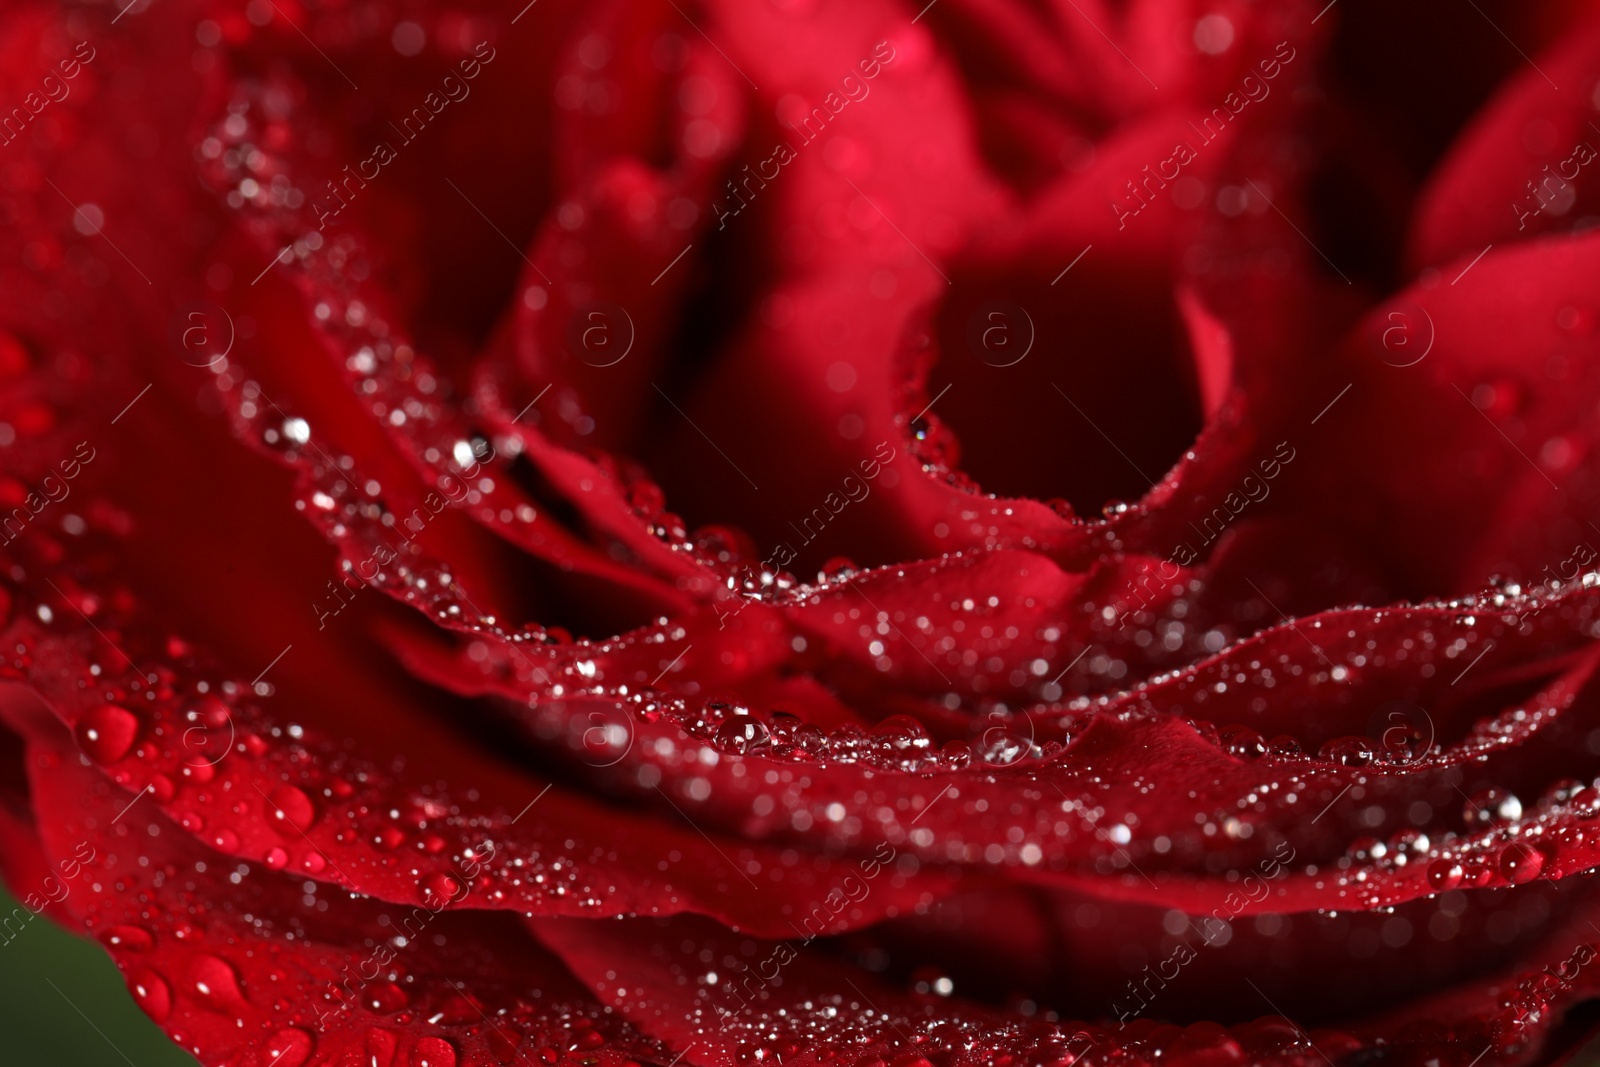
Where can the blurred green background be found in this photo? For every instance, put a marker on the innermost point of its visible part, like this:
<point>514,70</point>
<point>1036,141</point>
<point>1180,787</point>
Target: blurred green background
<point>39,1024</point>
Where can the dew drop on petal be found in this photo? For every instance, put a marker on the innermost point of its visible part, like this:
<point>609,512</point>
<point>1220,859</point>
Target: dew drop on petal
<point>440,888</point>
<point>107,732</point>
<point>151,993</point>
<point>127,939</point>
<point>433,1052</point>
<point>386,998</point>
<point>289,1047</point>
<point>1520,862</point>
<point>292,806</point>
<point>1444,874</point>
<point>217,983</point>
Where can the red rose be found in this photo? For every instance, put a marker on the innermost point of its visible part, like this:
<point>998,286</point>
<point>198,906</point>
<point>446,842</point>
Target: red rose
<point>808,531</point>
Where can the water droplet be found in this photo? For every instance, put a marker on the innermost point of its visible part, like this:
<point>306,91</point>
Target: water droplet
<point>837,569</point>
<point>1560,792</point>
<point>1366,849</point>
<point>1349,751</point>
<point>1445,874</point>
<point>292,806</point>
<point>900,732</point>
<point>289,1047</point>
<point>107,732</point>
<point>439,889</point>
<point>127,939</point>
<point>433,1052</point>
<point>1520,862</point>
<point>381,1046</point>
<point>1242,742</point>
<point>1000,747</point>
<point>1489,806</point>
<point>741,734</point>
<point>217,983</point>
<point>385,998</point>
<point>1586,801</point>
<point>151,993</point>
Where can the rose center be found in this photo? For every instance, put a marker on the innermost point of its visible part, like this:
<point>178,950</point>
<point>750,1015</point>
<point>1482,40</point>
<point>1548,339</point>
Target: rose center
<point>1083,389</point>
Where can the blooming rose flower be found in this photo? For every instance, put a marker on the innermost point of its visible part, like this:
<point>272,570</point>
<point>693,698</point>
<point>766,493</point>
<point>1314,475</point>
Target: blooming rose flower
<point>808,531</point>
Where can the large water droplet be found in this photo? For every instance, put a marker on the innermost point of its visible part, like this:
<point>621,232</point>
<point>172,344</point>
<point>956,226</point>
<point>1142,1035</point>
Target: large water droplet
<point>385,998</point>
<point>381,1046</point>
<point>1242,742</point>
<point>289,1047</point>
<point>433,1052</point>
<point>1349,751</point>
<point>151,993</point>
<point>292,806</point>
<point>837,569</point>
<point>1487,807</point>
<point>1444,874</point>
<point>1520,862</point>
<point>741,734</point>
<point>107,732</point>
<point>217,983</point>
